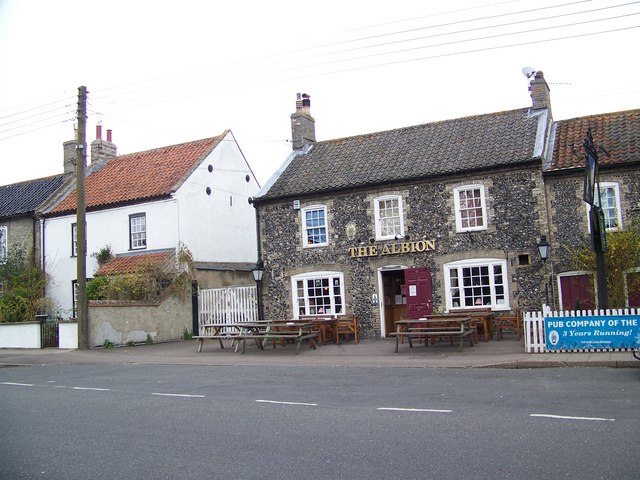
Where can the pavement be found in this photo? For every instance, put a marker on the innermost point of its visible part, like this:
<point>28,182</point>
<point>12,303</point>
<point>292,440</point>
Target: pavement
<point>380,353</point>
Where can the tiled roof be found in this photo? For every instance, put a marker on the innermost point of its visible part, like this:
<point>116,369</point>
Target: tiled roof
<point>131,263</point>
<point>141,176</point>
<point>618,133</point>
<point>421,151</point>
<point>23,198</point>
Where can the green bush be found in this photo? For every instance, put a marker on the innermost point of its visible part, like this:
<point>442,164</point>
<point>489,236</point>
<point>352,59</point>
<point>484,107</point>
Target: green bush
<point>96,288</point>
<point>23,286</point>
<point>14,308</point>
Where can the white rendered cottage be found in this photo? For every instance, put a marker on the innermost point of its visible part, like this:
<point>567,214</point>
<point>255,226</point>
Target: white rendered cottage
<point>193,194</point>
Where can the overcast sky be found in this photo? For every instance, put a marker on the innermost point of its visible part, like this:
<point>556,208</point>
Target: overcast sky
<point>165,72</point>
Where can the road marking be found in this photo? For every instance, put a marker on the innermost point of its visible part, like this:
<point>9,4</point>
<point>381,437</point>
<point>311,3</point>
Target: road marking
<point>18,384</point>
<point>393,409</point>
<point>288,403</point>
<point>564,417</point>
<point>177,395</point>
<point>92,389</point>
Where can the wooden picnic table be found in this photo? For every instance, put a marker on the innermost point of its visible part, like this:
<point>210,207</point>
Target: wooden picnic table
<point>483,316</point>
<point>296,331</point>
<point>325,326</point>
<point>451,327</point>
<point>236,332</point>
<point>260,331</point>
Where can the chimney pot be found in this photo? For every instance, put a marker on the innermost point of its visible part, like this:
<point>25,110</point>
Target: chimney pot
<point>540,92</point>
<point>109,135</point>
<point>98,132</point>
<point>303,129</point>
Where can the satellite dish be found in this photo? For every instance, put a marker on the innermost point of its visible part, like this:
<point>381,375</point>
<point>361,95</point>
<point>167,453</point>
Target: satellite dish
<point>528,72</point>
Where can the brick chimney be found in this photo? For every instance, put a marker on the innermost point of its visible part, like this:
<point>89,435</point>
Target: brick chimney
<point>540,92</point>
<point>303,126</point>
<point>102,149</point>
<point>69,158</point>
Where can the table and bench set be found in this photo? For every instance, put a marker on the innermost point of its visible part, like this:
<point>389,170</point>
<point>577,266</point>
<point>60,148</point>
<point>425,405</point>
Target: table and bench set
<point>316,330</point>
<point>457,324</point>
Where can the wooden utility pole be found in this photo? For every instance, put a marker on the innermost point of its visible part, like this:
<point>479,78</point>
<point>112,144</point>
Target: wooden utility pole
<point>82,311</point>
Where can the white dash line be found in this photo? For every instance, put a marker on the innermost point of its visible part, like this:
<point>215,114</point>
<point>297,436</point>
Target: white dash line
<point>288,403</point>
<point>18,384</point>
<point>94,389</point>
<point>393,409</point>
<point>564,417</point>
<point>177,395</point>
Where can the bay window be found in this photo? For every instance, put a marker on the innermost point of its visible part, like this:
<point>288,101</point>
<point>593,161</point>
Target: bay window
<point>478,283</point>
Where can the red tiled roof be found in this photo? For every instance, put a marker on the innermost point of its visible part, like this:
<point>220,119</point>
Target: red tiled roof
<point>141,176</point>
<point>618,133</point>
<point>131,263</point>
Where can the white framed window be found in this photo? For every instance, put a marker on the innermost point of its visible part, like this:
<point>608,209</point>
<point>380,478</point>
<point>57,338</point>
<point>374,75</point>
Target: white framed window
<point>74,239</point>
<point>137,231</point>
<point>318,293</point>
<point>4,246</point>
<point>470,205</point>
<point>314,229</point>
<point>388,217</point>
<point>610,204</point>
<point>74,298</point>
<point>477,283</point>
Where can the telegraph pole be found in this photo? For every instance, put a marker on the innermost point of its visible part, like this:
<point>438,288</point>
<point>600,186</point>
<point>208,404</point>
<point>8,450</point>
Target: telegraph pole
<point>82,311</point>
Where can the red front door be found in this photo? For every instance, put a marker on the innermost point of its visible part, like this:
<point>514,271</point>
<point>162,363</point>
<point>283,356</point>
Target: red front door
<point>577,292</point>
<point>418,290</point>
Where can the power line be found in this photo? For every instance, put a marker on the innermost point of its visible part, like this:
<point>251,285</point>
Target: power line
<point>263,81</point>
<point>35,129</point>
<point>354,40</point>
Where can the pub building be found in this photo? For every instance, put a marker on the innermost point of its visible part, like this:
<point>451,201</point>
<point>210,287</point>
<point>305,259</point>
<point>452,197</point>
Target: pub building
<point>419,220</point>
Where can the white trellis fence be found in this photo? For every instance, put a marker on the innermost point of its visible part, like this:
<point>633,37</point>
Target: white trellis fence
<point>534,328</point>
<point>227,305</point>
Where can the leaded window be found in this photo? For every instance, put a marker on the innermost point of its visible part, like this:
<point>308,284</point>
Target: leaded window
<point>318,293</point>
<point>470,208</point>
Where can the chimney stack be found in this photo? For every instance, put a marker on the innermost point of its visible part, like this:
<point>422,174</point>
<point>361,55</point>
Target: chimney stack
<point>303,126</point>
<point>102,149</point>
<point>69,159</point>
<point>539,89</point>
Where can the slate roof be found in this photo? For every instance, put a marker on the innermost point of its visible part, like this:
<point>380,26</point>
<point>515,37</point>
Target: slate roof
<point>141,176</point>
<point>618,132</point>
<point>405,154</point>
<point>131,263</point>
<point>20,199</point>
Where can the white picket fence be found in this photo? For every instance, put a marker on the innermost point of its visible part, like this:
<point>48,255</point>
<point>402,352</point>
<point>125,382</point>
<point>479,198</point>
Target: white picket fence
<point>227,305</point>
<point>534,334</point>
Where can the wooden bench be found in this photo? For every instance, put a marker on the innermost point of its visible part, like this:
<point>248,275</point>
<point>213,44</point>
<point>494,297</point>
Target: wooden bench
<point>481,316</point>
<point>235,332</point>
<point>295,331</point>
<point>437,328</point>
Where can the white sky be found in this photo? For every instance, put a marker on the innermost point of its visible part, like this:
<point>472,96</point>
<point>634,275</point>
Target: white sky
<point>165,72</point>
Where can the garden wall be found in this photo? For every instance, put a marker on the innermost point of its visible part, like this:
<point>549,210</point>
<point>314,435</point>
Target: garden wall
<point>122,322</point>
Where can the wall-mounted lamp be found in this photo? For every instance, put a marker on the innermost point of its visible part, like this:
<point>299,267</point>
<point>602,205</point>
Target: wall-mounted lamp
<point>258,272</point>
<point>543,248</point>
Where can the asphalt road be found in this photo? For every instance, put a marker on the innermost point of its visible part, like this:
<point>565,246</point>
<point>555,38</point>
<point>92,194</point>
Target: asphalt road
<point>174,422</point>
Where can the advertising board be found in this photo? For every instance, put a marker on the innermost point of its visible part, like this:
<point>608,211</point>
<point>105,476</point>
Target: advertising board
<point>596,332</point>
